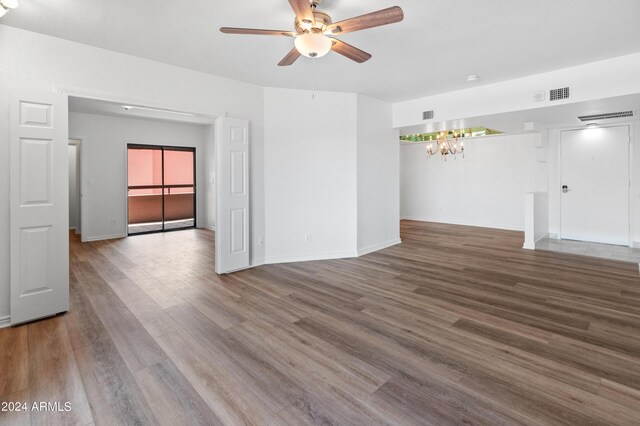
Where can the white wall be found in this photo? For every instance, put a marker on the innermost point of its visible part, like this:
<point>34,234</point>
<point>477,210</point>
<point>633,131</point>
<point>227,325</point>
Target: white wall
<point>32,61</point>
<point>310,174</point>
<point>486,188</point>
<point>596,80</point>
<point>104,143</point>
<point>331,173</point>
<point>378,176</point>
<point>74,198</point>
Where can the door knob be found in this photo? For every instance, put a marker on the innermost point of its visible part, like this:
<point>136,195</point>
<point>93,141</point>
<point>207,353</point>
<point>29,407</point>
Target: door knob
<point>565,189</point>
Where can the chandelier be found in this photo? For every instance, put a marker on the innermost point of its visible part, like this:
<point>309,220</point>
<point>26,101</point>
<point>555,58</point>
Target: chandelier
<point>447,143</point>
<point>7,5</point>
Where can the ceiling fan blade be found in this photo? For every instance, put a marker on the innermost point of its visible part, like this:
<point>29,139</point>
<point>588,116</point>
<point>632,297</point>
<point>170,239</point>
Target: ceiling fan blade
<point>255,31</point>
<point>350,51</point>
<point>303,11</point>
<point>390,15</point>
<point>290,58</point>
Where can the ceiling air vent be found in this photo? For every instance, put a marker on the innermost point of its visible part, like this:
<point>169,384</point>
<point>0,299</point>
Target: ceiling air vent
<point>606,116</point>
<point>427,115</point>
<point>557,94</point>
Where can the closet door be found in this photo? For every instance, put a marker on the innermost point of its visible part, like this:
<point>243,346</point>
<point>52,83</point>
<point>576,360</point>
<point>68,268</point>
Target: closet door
<point>232,202</point>
<point>39,205</point>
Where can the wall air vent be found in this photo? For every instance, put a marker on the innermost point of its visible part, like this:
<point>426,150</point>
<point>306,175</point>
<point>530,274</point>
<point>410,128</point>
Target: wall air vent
<point>557,94</point>
<point>427,115</point>
<point>606,116</point>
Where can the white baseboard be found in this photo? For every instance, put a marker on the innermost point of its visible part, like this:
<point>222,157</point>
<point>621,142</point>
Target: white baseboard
<point>477,225</point>
<point>5,321</point>
<point>104,237</point>
<point>309,257</point>
<point>257,262</point>
<point>210,228</point>
<point>72,228</point>
<point>376,247</point>
<point>554,236</point>
<point>635,244</point>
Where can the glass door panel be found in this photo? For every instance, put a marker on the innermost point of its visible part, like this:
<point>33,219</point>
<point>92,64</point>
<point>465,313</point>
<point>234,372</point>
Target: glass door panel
<point>179,188</point>
<point>144,190</point>
<point>161,188</point>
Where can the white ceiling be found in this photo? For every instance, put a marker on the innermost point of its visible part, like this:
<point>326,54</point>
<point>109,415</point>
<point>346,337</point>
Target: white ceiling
<point>438,44</point>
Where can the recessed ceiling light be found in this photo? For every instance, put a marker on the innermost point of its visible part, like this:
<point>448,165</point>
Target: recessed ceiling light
<point>592,125</point>
<point>472,78</point>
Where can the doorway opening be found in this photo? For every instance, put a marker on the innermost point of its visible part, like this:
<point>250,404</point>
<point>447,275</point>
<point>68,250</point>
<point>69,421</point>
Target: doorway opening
<point>161,189</point>
<point>75,195</point>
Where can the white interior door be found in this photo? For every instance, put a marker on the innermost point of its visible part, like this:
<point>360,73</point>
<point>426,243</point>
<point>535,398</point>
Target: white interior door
<point>232,218</point>
<point>595,185</point>
<point>39,206</point>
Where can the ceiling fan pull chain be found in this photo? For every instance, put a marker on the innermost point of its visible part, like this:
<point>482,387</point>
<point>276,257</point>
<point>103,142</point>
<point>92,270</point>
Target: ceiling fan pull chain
<point>313,81</point>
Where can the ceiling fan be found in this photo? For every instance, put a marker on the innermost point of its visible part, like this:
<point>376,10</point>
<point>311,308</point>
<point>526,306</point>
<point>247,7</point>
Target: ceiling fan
<point>315,32</point>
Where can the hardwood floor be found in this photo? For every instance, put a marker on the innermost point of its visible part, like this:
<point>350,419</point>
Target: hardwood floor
<point>457,325</point>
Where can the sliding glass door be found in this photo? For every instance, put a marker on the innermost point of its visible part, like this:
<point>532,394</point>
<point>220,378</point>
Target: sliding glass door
<point>161,188</point>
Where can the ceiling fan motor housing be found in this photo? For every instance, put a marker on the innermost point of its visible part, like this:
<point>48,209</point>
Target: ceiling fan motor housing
<point>322,20</point>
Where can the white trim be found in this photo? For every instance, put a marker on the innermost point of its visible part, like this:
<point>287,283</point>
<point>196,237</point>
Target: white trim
<point>121,99</point>
<point>376,247</point>
<point>72,228</point>
<point>210,228</point>
<point>125,191</point>
<point>635,244</point>
<point>554,236</point>
<point>5,321</point>
<point>308,257</point>
<point>105,237</point>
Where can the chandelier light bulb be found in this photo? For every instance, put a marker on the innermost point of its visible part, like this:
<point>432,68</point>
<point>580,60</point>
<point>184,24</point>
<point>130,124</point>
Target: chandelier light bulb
<point>9,4</point>
<point>313,45</point>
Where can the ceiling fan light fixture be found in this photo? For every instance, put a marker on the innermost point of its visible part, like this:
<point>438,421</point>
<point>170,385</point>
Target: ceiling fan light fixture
<point>9,4</point>
<point>313,45</point>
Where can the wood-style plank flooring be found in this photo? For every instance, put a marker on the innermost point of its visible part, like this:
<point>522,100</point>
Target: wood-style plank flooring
<point>457,325</point>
